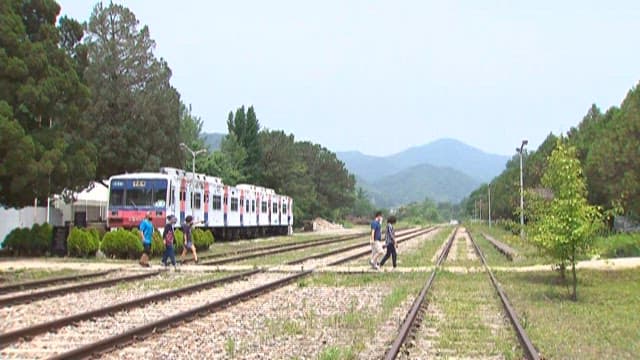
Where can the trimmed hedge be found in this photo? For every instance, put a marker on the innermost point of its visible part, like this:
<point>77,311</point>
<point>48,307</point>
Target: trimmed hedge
<point>202,239</point>
<point>29,242</point>
<point>178,243</point>
<point>82,243</point>
<point>122,244</point>
<point>157,244</point>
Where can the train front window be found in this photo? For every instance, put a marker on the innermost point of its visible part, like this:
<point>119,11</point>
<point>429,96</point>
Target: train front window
<point>138,193</point>
<point>116,197</point>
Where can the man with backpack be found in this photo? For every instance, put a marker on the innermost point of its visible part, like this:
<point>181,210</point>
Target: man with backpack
<point>169,240</point>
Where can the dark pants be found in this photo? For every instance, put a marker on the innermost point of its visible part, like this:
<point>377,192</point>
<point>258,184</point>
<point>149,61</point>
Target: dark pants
<point>146,249</point>
<point>391,251</point>
<point>169,253</point>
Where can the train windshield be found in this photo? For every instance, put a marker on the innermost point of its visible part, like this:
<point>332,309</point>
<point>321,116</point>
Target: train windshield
<point>138,193</point>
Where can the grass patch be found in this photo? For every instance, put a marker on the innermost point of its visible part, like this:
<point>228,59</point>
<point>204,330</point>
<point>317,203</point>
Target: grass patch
<point>603,324</point>
<point>422,255</point>
<point>618,245</point>
<point>469,320</point>
<point>337,353</point>
<point>12,276</point>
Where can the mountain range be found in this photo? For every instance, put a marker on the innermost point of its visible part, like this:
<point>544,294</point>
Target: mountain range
<point>442,170</point>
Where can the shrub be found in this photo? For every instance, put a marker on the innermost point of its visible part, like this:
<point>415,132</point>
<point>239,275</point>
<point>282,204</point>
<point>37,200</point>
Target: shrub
<point>157,244</point>
<point>122,244</point>
<point>29,242</point>
<point>82,243</point>
<point>202,239</point>
<point>16,242</point>
<point>95,233</point>
<point>619,245</point>
<point>178,244</point>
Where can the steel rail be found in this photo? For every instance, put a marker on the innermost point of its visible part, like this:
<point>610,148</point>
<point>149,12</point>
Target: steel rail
<point>530,351</point>
<point>409,320</point>
<point>174,320</point>
<point>44,282</point>
<point>8,337</point>
<point>46,293</point>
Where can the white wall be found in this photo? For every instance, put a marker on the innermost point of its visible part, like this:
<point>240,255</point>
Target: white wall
<point>26,217</point>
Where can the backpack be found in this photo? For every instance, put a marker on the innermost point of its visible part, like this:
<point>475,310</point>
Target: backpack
<point>169,238</point>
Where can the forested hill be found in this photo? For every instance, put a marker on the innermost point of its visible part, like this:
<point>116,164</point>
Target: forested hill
<point>440,184</point>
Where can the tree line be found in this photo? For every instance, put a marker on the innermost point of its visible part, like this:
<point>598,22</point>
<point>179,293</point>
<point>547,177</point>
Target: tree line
<point>84,101</point>
<point>607,146</point>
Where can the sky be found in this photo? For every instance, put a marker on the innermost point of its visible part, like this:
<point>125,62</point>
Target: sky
<point>382,76</point>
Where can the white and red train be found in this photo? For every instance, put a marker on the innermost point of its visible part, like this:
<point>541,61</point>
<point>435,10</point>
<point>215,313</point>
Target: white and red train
<point>230,212</point>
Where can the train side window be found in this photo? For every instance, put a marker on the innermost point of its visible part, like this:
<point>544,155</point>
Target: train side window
<point>264,207</point>
<point>253,206</point>
<point>196,201</point>
<point>183,195</point>
<point>226,200</point>
<point>284,208</point>
<point>247,206</point>
<point>234,204</point>
<point>217,202</point>
<point>171,194</point>
<point>275,208</point>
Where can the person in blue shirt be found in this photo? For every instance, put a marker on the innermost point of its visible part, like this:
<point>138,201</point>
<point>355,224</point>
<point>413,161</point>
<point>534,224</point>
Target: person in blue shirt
<point>376,241</point>
<point>146,234</point>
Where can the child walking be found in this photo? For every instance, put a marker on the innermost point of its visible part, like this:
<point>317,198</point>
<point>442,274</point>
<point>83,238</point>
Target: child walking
<point>390,240</point>
<point>169,238</point>
<point>188,239</point>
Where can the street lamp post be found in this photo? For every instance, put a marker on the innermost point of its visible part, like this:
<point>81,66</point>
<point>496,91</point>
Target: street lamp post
<point>193,154</point>
<point>520,151</point>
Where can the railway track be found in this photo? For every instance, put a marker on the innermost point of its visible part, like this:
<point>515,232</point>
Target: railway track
<point>271,247</point>
<point>286,249</point>
<point>48,282</point>
<point>415,316</point>
<point>30,296</point>
<point>131,320</point>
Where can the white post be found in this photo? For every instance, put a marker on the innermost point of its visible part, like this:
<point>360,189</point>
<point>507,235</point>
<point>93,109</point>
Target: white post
<point>48,210</point>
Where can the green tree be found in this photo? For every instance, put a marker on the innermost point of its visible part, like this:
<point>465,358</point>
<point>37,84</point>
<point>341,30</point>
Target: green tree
<point>227,162</point>
<point>613,161</point>
<point>282,169</point>
<point>566,225</point>
<point>43,136</point>
<point>246,127</point>
<point>135,111</point>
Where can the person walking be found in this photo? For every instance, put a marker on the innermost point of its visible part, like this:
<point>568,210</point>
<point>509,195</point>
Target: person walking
<point>390,241</point>
<point>169,238</point>
<point>146,234</point>
<point>376,241</point>
<point>188,239</point>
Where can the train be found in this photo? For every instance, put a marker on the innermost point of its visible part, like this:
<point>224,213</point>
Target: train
<point>242,211</point>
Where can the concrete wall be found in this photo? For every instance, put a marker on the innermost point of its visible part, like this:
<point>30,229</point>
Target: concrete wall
<point>26,217</point>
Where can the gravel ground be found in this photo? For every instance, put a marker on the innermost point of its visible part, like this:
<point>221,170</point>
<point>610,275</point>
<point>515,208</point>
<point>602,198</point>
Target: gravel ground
<point>292,322</point>
<point>84,332</point>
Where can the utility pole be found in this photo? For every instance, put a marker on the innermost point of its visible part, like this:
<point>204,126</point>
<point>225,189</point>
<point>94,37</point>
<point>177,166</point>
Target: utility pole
<point>520,151</point>
<point>489,196</point>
